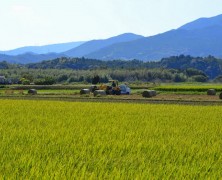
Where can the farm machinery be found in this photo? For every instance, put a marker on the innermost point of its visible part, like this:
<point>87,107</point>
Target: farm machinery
<point>113,88</point>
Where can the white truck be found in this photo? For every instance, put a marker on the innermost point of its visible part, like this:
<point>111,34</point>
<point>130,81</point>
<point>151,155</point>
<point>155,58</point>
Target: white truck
<point>125,89</point>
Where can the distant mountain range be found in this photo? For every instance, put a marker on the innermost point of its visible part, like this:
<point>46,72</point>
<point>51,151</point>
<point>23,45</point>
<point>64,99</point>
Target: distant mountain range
<point>96,45</point>
<point>78,51</point>
<point>52,48</point>
<point>28,58</point>
<point>33,54</point>
<point>203,23</point>
<point>201,37</point>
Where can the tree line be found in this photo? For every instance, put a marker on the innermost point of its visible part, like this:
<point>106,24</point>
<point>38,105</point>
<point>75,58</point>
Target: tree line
<point>75,70</point>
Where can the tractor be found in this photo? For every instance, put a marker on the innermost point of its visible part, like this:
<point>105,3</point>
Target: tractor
<point>112,89</point>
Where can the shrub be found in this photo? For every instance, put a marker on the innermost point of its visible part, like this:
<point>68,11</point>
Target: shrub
<point>45,81</point>
<point>199,78</point>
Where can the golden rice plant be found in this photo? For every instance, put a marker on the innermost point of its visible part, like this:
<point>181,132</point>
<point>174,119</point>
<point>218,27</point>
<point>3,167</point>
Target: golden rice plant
<point>78,140</point>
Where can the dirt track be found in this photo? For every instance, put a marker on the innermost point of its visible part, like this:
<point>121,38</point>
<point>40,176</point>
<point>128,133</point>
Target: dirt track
<point>159,99</point>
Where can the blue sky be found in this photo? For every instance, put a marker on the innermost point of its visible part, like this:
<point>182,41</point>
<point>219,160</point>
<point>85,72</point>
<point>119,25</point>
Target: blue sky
<point>40,22</point>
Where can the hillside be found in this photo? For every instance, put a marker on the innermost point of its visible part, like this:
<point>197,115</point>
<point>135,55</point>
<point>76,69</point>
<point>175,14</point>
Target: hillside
<point>202,37</point>
<point>70,70</point>
<point>80,51</point>
<point>203,23</point>
<point>52,48</point>
<point>95,45</point>
<point>28,57</point>
<point>210,65</point>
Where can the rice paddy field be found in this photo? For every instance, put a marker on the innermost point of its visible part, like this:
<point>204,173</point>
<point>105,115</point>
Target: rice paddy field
<point>95,140</point>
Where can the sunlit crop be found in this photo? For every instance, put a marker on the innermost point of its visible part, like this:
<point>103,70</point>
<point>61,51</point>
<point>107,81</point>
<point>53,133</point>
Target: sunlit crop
<point>58,140</point>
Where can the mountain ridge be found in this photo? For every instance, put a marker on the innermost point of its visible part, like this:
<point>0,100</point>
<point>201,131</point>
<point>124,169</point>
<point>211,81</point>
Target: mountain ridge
<point>28,57</point>
<point>203,22</point>
<point>44,49</point>
<point>94,45</point>
<point>201,37</point>
<point>190,41</point>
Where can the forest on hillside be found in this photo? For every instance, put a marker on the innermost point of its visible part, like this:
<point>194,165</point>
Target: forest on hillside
<point>74,70</point>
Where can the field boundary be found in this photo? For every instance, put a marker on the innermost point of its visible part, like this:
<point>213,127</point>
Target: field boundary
<point>127,100</point>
